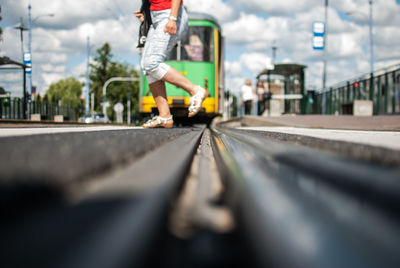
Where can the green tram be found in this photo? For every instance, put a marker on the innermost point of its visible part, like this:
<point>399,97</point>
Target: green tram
<point>199,57</point>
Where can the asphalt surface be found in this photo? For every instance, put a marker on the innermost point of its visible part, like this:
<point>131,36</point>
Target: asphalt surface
<point>63,157</point>
<point>28,130</point>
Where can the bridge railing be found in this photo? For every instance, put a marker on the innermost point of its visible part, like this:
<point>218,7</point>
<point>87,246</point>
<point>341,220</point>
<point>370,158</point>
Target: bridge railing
<point>381,89</point>
<point>13,108</point>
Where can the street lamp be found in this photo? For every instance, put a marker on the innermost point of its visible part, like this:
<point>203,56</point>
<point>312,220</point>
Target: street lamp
<point>28,57</point>
<point>371,37</point>
<point>22,28</point>
<point>371,34</point>
<point>325,58</point>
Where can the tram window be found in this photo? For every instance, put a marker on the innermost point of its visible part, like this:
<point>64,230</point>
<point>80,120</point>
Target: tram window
<point>195,46</point>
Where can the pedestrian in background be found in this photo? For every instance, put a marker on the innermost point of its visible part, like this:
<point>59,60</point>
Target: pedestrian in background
<point>247,96</point>
<point>260,97</point>
<point>169,24</point>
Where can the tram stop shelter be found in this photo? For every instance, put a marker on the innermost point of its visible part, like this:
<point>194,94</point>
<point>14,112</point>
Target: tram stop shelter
<point>286,82</point>
<point>7,64</point>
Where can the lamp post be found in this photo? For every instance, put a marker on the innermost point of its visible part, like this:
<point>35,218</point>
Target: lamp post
<point>371,37</point>
<point>22,28</point>
<point>87,77</point>
<point>371,34</point>
<point>325,59</point>
<point>109,81</point>
<point>29,52</point>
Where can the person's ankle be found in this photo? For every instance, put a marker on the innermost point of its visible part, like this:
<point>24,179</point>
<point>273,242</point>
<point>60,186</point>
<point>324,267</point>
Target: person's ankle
<point>194,90</point>
<point>165,115</point>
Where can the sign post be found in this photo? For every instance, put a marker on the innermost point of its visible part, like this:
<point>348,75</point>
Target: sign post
<point>119,108</point>
<point>318,41</point>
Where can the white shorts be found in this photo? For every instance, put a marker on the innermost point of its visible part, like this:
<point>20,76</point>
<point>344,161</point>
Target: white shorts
<point>159,43</point>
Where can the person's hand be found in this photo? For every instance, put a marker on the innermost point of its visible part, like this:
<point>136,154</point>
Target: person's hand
<point>170,28</point>
<point>139,15</point>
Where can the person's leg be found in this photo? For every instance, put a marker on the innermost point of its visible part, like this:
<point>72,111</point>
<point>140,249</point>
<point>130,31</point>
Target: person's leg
<point>247,107</point>
<point>160,97</point>
<point>176,78</point>
<point>156,49</point>
<point>262,107</point>
<point>197,92</point>
<point>164,119</point>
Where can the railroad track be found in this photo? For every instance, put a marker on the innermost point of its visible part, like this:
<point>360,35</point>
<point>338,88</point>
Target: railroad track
<point>192,197</point>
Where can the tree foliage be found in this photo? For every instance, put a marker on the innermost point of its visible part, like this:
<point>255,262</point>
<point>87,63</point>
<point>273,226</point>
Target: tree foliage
<point>104,68</point>
<point>68,91</point>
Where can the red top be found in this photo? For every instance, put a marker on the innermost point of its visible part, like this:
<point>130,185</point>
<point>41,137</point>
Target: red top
<point>157,5</point>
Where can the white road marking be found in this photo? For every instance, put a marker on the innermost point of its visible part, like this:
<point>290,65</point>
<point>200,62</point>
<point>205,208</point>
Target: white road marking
<point>10,132</point>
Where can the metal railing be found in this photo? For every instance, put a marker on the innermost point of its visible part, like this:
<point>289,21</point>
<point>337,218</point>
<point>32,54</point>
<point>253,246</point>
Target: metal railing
<point>382,88</point>
<point>13,108</point>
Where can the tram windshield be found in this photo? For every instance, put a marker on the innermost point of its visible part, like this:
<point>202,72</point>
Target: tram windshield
<point>196,46</point>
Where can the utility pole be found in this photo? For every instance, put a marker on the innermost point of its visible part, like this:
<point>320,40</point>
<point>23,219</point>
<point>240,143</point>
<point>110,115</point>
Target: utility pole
<point>21,27</point>
<point>325,59</point>
<point>87,77</point>
<point>29,53</point>
<point>274,48</point>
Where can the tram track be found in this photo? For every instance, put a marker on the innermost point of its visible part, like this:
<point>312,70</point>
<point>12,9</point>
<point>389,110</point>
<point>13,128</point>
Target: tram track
<point>197,197</point>
<point>305,208</point>
<point>107,219</point>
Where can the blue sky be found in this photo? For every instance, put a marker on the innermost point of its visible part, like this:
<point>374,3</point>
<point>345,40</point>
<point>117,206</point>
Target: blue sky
<point>250,27</point>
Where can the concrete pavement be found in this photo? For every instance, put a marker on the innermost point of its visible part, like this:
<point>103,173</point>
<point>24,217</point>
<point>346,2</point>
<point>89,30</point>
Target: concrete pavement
<point>387,139</point>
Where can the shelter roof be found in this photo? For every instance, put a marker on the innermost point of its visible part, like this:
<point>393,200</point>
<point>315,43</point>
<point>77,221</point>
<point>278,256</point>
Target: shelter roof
<point>285,69</point>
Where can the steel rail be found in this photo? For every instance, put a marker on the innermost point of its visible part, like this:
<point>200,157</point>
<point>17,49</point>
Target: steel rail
<point>374,183</point>
<point>294,217</point>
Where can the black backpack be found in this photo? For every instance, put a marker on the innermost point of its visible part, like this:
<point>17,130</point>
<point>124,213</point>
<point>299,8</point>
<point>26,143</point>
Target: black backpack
<point>267,96</point>
<point>145,25</point>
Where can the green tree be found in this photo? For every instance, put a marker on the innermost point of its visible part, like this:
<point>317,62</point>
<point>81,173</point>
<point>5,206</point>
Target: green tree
<point>67,91</point>
<point>103,69</point>
<point>98,73</point>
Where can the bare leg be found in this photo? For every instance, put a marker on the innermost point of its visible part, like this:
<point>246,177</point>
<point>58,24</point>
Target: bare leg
<point>198,93</point>
<point>160,97</point>
<point>176,78</point>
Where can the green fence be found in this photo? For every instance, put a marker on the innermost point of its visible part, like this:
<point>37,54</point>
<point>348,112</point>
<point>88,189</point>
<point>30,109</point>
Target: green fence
<point>382,88</point>
<point>13,108</point>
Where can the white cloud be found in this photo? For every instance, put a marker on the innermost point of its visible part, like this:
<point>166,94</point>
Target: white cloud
<point>287,7</point>
<point>233,68</point>
<point>59,39</point>
<point>250,28</point>
<point>255,62</point>
<point>217,8</point>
